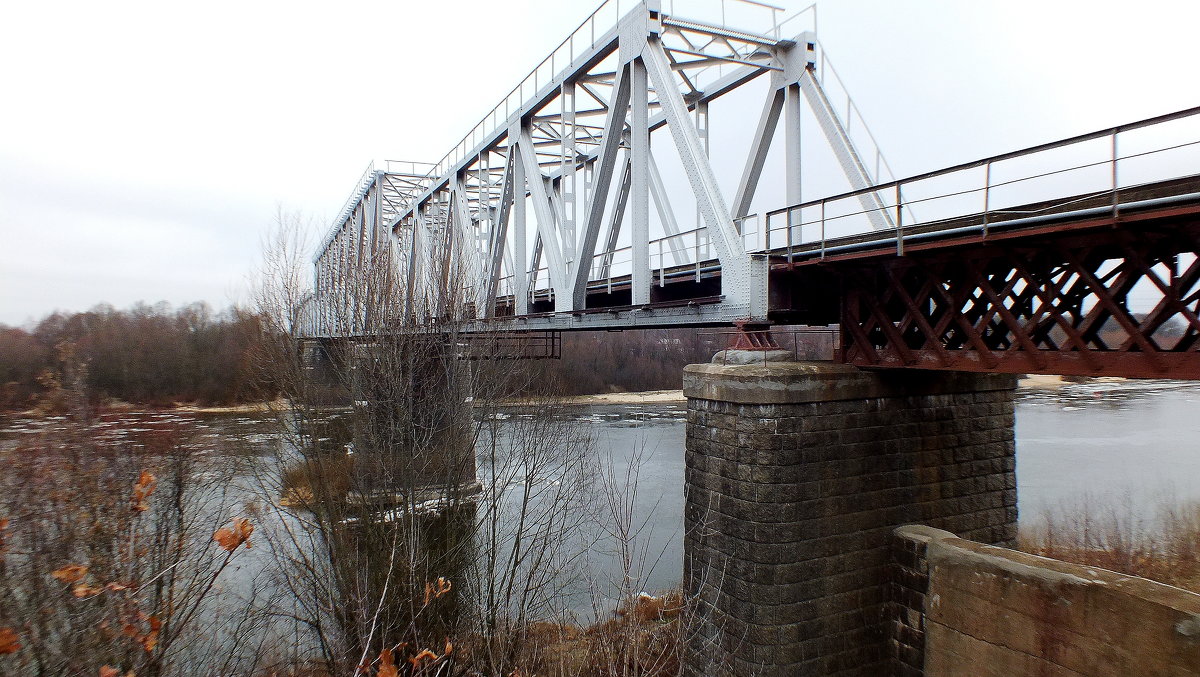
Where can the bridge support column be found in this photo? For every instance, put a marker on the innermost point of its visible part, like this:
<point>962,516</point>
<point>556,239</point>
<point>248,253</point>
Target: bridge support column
<point>412,422</point>
<point>797,473</point>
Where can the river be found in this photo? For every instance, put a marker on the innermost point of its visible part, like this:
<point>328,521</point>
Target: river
<point>1126,447</point>
<point>1129,447</point>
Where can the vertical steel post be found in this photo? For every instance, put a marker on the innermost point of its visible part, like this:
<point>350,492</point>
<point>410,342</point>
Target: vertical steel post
<point>987,196</point>
<point>822,229</point>
<point>1115,201</point>
<point>702,130</point>
<point>567,173</point>
<point>640,184</point>
<point>520,271</point>
<point>662,267</point>
<point>793,104</point>
<point>787,221</point>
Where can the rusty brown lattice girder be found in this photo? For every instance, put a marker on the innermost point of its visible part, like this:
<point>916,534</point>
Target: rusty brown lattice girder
<point>1116,298</point>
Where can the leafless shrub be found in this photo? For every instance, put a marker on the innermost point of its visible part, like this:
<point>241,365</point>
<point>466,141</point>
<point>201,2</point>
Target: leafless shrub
<point>114,555</point>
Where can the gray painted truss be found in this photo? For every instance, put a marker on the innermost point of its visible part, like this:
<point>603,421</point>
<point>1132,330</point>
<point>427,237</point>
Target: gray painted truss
<point>541,218</point>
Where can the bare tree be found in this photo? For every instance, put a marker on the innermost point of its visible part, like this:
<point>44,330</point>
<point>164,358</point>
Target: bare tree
<point>538,470</point>
<point>385,537</point>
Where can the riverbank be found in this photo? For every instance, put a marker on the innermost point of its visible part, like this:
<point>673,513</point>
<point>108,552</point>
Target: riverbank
<point>120,406</point>
<point>1028,382</point>
<point>1041,382</point>
<point>247,408</point>
<point>645,397</point>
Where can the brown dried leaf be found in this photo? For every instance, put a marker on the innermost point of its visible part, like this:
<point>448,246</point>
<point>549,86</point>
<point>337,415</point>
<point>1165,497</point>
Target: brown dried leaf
<point>229,538</point>
<point>82,590</point>
<point>387,665</point>
<point>142,490</point>
<point>443,587</point>
<point>70,573</point>
<point>109,671</point>
<point>150,641</point>
<point>10,641</point>
<point>425,654</point>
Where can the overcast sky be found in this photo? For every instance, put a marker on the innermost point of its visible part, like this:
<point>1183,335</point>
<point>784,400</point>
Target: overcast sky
<point>146,147</point>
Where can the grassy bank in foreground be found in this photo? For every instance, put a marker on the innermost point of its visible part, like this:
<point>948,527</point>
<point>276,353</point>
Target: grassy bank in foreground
<point>1164,549</point>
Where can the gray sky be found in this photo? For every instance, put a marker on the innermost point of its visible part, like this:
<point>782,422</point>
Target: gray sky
<point>146,147</point>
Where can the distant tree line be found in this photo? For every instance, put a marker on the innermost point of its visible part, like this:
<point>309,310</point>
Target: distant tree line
<point>157,355</point>
<point>630,361</point>
<point>148,354</point>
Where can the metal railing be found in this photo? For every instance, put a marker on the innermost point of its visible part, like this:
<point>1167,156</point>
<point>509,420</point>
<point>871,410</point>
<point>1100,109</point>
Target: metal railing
<point>848,112</point>
<point>407,167</point>
<point>579,42</point>
<point>981,194</point>
<point>360,190</point>
<point>584,37</point>
<point>744,13</point>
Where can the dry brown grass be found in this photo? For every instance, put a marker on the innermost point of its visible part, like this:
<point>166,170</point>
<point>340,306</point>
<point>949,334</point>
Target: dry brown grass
<point>1165,549</point>
<point>641,640</point>
<point>305,480</point>
<point>644,639</point>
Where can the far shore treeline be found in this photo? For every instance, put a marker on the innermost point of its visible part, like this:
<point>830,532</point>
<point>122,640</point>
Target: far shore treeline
<point>152,355</point>
<point>157,356</point>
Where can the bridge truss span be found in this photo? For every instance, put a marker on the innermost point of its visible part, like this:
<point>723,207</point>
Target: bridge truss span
<point>558,213</point>
<point>554,213</point>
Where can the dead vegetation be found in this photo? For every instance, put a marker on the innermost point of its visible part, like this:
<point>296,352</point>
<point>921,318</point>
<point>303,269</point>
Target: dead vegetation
<point>1109,535</point>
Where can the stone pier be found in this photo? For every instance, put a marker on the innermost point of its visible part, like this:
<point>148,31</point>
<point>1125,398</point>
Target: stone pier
<point>797,473</point>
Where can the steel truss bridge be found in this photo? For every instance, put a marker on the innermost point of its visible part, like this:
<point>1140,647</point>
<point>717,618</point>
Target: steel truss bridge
<point>553,214</point>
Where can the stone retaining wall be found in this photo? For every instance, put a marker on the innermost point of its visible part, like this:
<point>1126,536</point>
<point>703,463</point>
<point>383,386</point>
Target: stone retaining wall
<point>992,612</point>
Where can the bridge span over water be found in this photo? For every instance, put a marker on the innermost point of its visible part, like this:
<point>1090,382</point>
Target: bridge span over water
<point>599,195</point>
<point>558,213</point>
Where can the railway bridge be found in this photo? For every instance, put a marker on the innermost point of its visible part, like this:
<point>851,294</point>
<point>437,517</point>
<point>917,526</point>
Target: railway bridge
<point>599,195</point>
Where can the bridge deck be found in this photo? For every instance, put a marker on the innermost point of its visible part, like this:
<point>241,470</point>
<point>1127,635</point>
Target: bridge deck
<point>1075,256</point>
<point>681,292</point>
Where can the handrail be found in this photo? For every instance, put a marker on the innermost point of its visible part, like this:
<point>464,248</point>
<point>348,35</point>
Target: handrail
<point>440,167</point>
<point>481,129</point>
<point>895,187</point>
<point>1090,136</point>
<point>347,207</point>
<point>584,37</point>
<point>880,160</point>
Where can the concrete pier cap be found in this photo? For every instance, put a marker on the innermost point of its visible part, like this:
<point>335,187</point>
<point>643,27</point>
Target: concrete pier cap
<point>751,379</point>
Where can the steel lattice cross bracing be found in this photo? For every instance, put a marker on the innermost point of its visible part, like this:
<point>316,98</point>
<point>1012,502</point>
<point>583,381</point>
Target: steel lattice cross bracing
<point>1051,300</point>
<point>554,214</point>
<point>528,212</point>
